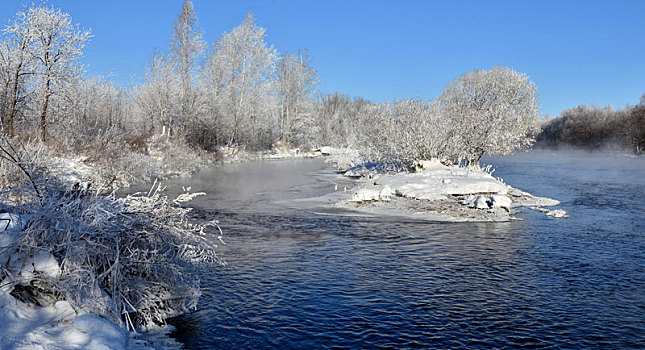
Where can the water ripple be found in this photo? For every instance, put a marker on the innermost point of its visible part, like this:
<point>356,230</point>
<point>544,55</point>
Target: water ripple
<point>298,280</point>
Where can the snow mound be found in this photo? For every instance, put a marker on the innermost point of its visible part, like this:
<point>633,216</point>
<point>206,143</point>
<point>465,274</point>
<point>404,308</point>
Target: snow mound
<point>73,171</point>
<point>525,199</point>
<point>93,332</point>
<point>477,202</point>
<point>371,194</point>
<point>55,327</point>
<point>436,181</point>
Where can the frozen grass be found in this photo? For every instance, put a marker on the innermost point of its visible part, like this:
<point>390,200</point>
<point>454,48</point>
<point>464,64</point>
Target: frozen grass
<point>134,261</point>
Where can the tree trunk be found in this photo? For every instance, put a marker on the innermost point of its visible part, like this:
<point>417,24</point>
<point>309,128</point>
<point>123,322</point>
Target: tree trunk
<point>43,118</point>
<point>14,102</point>
<point>282,117</point>
<point>287,127</point>
<point>43,115</point>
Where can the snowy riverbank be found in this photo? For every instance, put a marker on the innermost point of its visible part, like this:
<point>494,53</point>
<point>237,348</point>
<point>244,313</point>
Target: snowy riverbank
<point>77,266</point>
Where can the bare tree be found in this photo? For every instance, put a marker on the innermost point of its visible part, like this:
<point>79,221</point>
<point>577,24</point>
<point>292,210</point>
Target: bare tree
<point>635,126</point>
<point>17,58</point>
<point>56,46</point>
<point>5,82</point>
<point>187,45</point>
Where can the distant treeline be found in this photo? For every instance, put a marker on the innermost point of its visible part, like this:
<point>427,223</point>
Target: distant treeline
<point>594,128</point>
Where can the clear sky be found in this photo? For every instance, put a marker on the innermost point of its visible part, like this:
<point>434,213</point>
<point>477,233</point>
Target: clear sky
<point>576,52</point>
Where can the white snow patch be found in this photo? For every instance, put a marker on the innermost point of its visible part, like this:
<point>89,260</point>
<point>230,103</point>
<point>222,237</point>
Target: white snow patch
<point>371,194</point>
<point>501,201</point>
<point>557,213</point>
<point>73,171</point>
<point>55,327</point>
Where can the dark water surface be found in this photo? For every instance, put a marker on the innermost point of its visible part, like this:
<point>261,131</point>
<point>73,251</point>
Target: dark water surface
<point>295,279</point>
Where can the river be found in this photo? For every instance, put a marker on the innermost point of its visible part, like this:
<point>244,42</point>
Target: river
<point>298,279</point>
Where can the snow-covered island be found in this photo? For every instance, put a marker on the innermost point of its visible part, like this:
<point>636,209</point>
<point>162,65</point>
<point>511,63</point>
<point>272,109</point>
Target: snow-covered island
<point>432,191</point>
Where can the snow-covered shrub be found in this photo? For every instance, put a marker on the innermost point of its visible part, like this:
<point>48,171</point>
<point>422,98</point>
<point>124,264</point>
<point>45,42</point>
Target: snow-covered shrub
<point>401,132</point>
<point>134,259</point>
<point>175,156</point>
<point>23,166</point>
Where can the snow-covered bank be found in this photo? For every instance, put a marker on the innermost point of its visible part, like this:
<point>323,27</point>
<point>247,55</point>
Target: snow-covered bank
<point>56,326</point>
<point>61,292</point>
<point>79,269</point>
<point>436,192</point>
<point>59,326</point>
<point>279,151</point>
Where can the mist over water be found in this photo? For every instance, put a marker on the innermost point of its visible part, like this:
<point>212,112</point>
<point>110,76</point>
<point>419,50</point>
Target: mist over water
<point>296,279</point>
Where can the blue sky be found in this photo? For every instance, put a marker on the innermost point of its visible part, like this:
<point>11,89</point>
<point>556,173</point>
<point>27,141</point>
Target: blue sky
<point>576,52</point>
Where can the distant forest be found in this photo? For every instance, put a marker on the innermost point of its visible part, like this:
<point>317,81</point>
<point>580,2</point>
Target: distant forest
<point>596,128</point>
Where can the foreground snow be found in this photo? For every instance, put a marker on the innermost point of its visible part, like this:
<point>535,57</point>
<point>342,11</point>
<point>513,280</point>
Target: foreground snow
<point>435,192</point>
<point>57,326</point>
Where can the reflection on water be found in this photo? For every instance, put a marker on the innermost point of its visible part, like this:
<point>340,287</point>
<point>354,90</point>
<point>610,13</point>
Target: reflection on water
<point>299,280</point>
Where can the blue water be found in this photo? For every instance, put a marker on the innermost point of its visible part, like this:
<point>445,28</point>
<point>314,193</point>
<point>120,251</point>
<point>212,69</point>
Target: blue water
<point>295,279</point>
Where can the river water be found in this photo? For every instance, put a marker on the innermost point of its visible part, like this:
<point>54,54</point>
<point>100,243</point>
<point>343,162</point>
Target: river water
<point>297,279</point>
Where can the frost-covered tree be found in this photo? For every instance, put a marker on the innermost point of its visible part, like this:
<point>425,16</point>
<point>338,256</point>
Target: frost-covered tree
<point>402,132</point>
<point>56,46</point>
<point>5,82</point>
<point>187,45</point>
<point>156,96</point>
<point>93,103</point>
<point>17,61</point>
<point>594,127</point>
<point>636,127</point>
<point>242,64</point>
<point>296,81</point>
<point>336,117</point>
<point>212,88</point>
<point>490,112</point>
